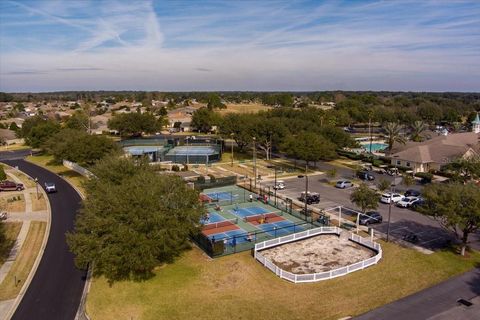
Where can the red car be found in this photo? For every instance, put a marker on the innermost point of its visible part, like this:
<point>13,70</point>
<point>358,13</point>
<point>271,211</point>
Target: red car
<point>10,186</point>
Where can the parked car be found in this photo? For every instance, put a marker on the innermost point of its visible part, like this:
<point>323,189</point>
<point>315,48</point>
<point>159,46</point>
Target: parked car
<point>407,202</point>
<point>363,175</point>
<point>279,186</point>
<point>10,185</point>
<point>412,193</point>
<point>370,218</point>
<point>395,197</point>
<point>393,171</point>
<point>50,187</point>
<point>342,184</point>
<point>312,197</point>
<point>420,202</point>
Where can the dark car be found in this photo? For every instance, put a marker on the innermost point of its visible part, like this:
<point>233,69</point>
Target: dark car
<point>364,175</point>
<point>420,202</point>
<point>370,218</point>
<point>412,193</point>
<point>312,197</point>
<point>10,185</point>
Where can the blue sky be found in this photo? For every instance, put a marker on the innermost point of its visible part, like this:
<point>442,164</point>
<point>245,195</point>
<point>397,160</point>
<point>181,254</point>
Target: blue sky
<point>239,45</point>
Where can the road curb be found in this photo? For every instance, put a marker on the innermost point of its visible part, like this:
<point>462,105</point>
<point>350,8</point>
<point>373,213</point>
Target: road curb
<point>39,257</point>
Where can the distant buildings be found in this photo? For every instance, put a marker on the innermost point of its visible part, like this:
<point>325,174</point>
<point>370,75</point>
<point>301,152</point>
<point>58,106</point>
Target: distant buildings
<point>433,154</point>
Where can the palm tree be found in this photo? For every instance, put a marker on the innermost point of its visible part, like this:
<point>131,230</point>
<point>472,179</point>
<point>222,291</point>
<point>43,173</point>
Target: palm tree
<point>393,132</point>
<point>418,127</point>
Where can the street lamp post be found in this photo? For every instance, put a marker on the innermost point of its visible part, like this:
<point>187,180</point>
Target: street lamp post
<point>186,139</point>
<point>231,135</point>
<point>36,186</point>
<point>255,162</point>
<point>275,186</point>
<point>392,187</point>
<point>305,198</point>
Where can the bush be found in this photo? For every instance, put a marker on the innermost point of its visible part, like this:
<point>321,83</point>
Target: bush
<point>3,175</point>
<point>427,176</point>
<point>175,168</point>
<point>378,163</point>
<point>201,179</point>
<point>212,178</point>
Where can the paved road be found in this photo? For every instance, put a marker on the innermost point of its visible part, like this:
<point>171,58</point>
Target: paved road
<point>57,286</point>
<point>437,302</point>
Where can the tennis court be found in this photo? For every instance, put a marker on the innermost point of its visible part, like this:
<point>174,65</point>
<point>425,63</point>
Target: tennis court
<point>222,196</point>
<point>250,211</point>
<point>240,236</point>
<point>280,228</point>
<point>213,217</point>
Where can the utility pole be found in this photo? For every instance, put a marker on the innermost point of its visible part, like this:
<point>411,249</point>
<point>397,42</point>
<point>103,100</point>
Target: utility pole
<point>255,162</point>
<point>392,188</point>
<point>306,189</point>
<point>275,186</point>
<point>231,135</point>
<point>370,130</point>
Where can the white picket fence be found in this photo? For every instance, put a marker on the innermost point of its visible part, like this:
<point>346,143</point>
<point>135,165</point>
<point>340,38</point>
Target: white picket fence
<point>313,277</point>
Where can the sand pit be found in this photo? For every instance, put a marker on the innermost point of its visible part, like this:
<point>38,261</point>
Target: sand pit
<point>317,254</point>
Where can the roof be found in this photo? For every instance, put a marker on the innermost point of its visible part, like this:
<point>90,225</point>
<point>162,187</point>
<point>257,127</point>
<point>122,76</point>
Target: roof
<point>441,149</point>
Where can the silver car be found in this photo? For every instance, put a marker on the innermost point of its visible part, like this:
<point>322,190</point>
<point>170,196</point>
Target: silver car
<point>342,184</point>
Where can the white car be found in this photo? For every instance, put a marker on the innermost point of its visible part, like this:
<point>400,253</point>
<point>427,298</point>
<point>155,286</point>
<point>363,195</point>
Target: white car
<point>280,185</point>
<point>407,202</point>
<point>395,197</point>
<point>50,187</point>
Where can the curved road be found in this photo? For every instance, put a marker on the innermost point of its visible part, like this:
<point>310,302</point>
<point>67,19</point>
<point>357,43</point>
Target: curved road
<point>57,285</point>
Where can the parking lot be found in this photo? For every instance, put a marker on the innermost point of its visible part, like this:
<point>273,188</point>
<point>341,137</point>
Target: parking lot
<point>405,224</point>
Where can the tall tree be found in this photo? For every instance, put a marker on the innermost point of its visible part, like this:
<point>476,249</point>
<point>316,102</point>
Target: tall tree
<point>240,126</point>
<point>133,220</point>
<point>135,124</point>
<point>456,206</point>
<point>393,132</point>
<point>364,198</point>
<point>418,128</point>
<point>204,119</point>
<point>36,130</point>
<point>78,121</point>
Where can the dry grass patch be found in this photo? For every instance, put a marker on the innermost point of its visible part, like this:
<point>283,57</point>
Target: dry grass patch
<point>11,232</point>
<point>24,262</point>
<point>244,108</point>
<point>26,180</point>
<point>237,287</point>
<point>71,176</point>
<point>40,203</point>
<point>12,201</point>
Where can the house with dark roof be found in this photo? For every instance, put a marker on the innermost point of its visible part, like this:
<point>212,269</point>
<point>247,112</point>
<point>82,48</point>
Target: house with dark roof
<point>433,154</point>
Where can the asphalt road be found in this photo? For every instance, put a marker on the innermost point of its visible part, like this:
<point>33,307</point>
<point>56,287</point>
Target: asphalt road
<point>57,285</point>
<point>437,302</point>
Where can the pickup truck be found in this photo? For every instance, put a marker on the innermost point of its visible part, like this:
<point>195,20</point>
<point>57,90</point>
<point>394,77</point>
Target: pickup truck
<point>10,186</point>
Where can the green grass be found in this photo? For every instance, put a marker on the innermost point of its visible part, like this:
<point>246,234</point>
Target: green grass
<point>46,161</point>
<point>11,233</point>
<point>24,262</point>
<point>237,287</point>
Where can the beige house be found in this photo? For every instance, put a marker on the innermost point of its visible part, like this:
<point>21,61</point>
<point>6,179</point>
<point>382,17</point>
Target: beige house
<point>439,151</point>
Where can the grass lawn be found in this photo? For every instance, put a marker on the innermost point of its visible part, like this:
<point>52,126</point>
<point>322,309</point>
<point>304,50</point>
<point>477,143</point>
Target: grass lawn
<point>73,177</point>
<point>237,287</point>
<point>10,203</point>
<point>243,108</point>
<point>26,180</point>
<point>14,147</point>
<point>38,204</point>
<point>25,259</point>
<point>11,232</point>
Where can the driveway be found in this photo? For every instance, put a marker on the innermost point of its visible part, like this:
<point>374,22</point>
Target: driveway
<point>57,285</point>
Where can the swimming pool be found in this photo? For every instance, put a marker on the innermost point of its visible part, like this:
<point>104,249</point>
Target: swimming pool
<point>376,147</point>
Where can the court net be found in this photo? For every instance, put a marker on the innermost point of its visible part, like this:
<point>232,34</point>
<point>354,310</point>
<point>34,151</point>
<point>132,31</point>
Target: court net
<point>258,217</point>
<point>224,223</point>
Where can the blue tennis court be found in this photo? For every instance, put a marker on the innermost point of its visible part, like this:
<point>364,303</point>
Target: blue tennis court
<point>222,196</point>
<point>246,212</point>
<point>214,217</point>
<point>280,228</point>
<point>229,235</point>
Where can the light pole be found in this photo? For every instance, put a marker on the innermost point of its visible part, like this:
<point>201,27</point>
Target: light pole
<point>255,162</point>
<point>36,186</point>
<point>306,190</point>
<point>392,186</point>
<point>187,149</point>
<point>231,135</point>
<point>275,186</point>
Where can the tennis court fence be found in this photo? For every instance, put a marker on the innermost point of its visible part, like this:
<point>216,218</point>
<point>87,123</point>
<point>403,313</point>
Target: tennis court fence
<point>246,240</point>
<point>314,277</point>
<point>219,224</point>
<point>218,182</point>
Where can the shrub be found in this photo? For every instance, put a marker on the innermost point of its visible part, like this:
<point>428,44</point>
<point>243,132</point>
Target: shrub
<point>175,168</point>
<point>201,179</point>
<point>427,176</point>
<point>212,178</point>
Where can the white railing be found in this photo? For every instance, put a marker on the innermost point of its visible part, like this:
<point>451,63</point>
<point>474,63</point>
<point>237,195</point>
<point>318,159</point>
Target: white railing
<point>313,277</point>
<point>77,168</point>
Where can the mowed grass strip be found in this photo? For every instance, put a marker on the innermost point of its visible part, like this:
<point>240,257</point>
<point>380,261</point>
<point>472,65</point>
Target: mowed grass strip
<point>39,203</point>
<point>11,232</point>
<point>238,287</point>
<point>73,177</point>
<point>24,262</point>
